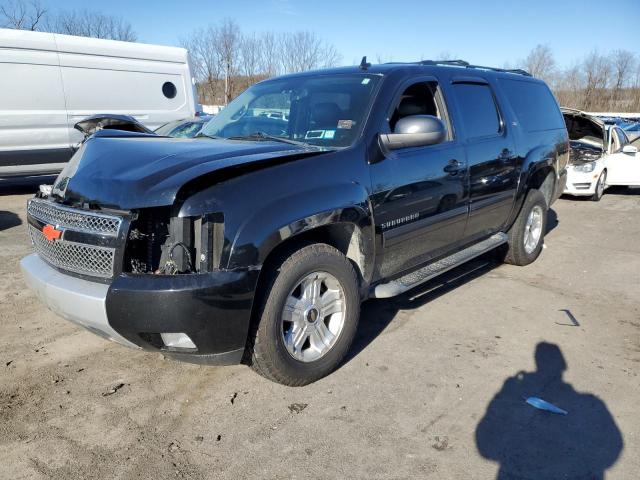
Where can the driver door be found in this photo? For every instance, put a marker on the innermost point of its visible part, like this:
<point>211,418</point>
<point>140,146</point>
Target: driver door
<point>622,168</point>
<point>420,193</point>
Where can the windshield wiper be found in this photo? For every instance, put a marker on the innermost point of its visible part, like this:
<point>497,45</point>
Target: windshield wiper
<point>265,136</point>
<point>204,135</point>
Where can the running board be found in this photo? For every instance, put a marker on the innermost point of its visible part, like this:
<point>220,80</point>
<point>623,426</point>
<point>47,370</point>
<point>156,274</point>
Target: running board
<point>413,279</point>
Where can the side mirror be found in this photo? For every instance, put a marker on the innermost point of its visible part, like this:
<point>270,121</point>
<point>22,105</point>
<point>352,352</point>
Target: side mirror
<point>630,149</point>
<point>415,131</point>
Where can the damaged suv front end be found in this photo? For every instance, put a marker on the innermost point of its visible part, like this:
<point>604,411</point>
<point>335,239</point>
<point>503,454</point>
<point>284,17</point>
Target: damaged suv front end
<point>132,253</point>
<point>158,243</point>
<point>143,277</point>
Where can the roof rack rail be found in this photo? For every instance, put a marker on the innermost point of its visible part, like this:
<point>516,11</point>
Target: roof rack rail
<point>464,64</point>
<point>457,63</point>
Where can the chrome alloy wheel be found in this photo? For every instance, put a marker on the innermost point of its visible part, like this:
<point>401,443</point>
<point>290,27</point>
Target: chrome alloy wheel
<point>313,316</point>
<point>533,229</point>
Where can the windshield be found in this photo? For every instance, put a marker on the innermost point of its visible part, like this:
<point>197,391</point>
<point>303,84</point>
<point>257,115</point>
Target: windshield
<point>324,110</point>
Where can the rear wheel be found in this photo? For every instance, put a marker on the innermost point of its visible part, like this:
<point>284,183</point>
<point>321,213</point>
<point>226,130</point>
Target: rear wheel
<point>308,316</point>
<point>602,180</point>
<point>526,236</point>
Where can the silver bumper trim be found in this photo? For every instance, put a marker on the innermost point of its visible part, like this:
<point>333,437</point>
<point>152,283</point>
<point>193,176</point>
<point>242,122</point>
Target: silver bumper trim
<point>77,300</point>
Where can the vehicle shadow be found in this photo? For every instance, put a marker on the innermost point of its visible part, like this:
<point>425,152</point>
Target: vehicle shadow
<point>22,186</point>
<point>552,220</point>
<point>532,443</point>
<point>377,314</point>
<point>618,190</point>
<point>8,220</point>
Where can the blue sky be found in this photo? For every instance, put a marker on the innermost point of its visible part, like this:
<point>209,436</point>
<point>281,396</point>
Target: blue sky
<point>489,32</point>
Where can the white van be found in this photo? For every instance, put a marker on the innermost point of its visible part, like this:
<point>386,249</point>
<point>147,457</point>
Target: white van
<point>48,82</point>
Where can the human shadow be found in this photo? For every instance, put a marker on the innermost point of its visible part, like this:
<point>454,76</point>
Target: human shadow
<point>534,444</point>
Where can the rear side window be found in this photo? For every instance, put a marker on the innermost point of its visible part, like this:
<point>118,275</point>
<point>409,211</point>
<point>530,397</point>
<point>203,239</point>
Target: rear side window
<point>477,109</point>
<point>533,104</point>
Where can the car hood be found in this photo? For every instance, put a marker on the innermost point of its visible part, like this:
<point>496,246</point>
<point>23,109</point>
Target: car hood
<point>124,170</point>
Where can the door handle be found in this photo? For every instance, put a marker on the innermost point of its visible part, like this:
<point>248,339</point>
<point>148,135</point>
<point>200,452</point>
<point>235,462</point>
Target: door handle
<point>454,166</point>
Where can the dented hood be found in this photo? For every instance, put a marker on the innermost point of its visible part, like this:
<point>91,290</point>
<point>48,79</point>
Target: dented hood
<point>125,170</point>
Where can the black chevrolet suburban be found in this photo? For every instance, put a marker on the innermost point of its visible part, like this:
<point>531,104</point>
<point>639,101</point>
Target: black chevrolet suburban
<point>257,240</point>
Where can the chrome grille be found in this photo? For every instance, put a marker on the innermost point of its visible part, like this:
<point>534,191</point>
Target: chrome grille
<point>75,257</point>
<point>72,218</point>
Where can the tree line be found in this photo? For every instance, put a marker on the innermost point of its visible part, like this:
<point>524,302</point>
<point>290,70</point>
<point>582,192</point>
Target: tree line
<point>32,15</point>
<point>225,60</point>
<point>599,82</point>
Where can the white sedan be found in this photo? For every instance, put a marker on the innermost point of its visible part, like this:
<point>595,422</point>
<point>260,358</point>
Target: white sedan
<point>601,156</point>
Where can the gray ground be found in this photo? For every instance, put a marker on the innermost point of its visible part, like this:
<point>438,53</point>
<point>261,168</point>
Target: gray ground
<point>411,402</point>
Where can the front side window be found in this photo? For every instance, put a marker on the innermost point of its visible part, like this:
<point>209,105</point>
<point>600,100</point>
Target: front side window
<point>477,108</point>
<point>324,110</point>
<point>423,98</point>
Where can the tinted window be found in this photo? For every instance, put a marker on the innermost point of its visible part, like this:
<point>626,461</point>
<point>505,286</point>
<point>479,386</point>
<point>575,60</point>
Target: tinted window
<point>477,108</point>
<point>169,90</point>
<point>533,104</point>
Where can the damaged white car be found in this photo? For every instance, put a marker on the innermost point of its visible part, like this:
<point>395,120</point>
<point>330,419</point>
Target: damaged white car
<point>601,156</point>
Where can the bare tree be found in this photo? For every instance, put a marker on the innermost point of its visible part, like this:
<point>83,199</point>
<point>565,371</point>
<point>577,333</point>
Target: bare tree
<point>250,58</point>
<point>271,51</point>
<point>86,23</point>
<point>304,50</point>
<point>228,47</point>
<point>623,63</point>
<point>21,15</point>
<point>540,62</point>
<point>330,57</point>
<point>597,72</point>
<point>202,46</point>
<point>569,85</point>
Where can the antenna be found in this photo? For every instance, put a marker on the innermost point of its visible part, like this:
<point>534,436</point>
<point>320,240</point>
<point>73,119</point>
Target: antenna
<point>363,64</point>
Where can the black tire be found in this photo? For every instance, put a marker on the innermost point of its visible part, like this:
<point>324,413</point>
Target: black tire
<point>516,253</point>
<point>602,179</point>
<point>269,355</point>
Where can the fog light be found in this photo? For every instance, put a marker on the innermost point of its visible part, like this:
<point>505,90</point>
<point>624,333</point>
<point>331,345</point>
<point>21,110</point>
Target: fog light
<point>177,340</point>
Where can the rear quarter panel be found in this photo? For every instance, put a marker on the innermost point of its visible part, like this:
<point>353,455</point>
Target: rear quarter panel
<point>537,149</point>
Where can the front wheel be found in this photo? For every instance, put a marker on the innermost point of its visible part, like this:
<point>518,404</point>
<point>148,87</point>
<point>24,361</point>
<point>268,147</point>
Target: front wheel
<point>526,236</point>
<point>308,316</point>
<point>602,180</point>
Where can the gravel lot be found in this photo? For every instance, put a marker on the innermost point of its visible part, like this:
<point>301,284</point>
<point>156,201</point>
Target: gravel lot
<point>433,387</point>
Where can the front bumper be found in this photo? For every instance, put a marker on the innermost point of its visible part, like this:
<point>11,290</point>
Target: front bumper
<point>213,310</point>
<point>581,183</point>
<point>79,301</point>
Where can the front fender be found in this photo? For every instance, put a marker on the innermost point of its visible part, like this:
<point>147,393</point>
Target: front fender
<point>284,218</point>
<point>263,208</point>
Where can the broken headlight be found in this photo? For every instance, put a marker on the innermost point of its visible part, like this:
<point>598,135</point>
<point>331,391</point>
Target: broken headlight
<point>160,242</point>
